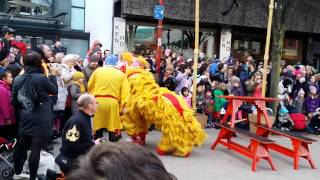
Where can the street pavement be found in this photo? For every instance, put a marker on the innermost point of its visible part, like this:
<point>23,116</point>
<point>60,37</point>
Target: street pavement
<point>205,164</point>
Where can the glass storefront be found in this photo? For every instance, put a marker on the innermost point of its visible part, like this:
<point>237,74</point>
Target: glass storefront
<point>177,39</point>
<point>28,7</point>
<point>240,47</point>
<point>76,46</point>
<point>77,14</point>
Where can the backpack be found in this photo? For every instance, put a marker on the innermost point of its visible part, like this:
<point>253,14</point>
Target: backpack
<point>27,94</point>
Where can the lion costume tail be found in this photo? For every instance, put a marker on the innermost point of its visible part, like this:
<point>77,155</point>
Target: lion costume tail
<point>181,131</point>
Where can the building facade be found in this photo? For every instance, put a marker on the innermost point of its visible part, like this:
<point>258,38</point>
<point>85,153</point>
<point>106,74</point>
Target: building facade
<point>45,21</point>
<point>228,27</point>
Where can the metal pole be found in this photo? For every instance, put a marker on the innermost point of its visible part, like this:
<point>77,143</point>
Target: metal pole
<point>159,41</point>
<point>196,54</point>
<point>267,48</point>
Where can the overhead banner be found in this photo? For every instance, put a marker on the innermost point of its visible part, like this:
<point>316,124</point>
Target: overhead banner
<point>225,44</point>
<point>119,35</point>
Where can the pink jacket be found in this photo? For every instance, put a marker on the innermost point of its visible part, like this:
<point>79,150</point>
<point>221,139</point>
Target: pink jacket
<point>6,108</point>
<point>188,100</point>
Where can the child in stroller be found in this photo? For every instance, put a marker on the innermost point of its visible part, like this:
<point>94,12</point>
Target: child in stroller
<point>6,158</point>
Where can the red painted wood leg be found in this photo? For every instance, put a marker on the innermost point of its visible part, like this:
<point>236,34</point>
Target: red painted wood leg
<point>223,134</point>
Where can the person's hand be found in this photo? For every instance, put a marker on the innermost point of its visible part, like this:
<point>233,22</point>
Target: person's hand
<point>53,71</point>
<point>51,59</point>
<point>97,141</point>
<point>8,122</point>
<point>187,71</point>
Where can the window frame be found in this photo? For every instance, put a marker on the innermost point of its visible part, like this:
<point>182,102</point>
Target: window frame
<point>84,15</point>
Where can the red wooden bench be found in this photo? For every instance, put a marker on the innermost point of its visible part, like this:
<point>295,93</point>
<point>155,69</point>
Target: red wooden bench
<point>257,149</point>
<point>299,143</point>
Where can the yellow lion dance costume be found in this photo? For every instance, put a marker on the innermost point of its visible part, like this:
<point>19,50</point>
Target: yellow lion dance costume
<point>149,104</point>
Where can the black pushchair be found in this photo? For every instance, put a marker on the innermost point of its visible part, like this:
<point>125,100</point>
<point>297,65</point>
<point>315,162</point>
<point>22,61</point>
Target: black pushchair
<point>6,158</point>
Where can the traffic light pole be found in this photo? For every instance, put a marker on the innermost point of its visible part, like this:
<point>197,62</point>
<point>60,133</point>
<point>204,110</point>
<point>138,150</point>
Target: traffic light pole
<point>159,41</point>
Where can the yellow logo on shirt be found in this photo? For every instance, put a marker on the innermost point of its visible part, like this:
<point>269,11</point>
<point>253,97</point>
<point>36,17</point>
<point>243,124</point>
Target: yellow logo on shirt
<point>73,134</point>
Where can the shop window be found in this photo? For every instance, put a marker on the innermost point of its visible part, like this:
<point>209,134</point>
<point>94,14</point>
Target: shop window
<point>78,3</point>
<point>80,48</point>
<point>179,40</point>
<point>292,50</point>
<point>35,7</point>
<point>77,19</point>
<point>78,14</point>
<point>242,46</point>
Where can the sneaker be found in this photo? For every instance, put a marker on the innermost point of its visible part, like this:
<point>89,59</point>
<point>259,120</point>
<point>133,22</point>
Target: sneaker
<point>21,176</point>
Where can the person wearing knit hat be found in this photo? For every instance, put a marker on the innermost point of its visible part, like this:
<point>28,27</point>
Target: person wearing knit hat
<point>77,88</point>
<point>91,67</point>
<point>97,52</point>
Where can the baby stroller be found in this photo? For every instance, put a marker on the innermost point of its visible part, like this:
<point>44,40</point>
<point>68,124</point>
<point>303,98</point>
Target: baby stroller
<point>6,158</point>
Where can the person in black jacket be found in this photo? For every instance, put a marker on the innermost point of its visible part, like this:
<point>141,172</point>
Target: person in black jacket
<point>77,136</point>
<point>35,126</point>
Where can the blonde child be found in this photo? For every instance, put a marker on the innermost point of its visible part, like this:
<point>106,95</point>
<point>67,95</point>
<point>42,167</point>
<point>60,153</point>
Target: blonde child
<point>76,89</point>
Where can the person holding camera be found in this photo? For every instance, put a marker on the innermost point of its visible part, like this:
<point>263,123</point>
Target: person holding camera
<point>31,98</point>
<point>182,77</point>
<point>254,85</point>
<point>8,35</point>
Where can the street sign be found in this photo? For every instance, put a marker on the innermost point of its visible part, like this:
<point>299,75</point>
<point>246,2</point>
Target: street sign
<point>158,12</point>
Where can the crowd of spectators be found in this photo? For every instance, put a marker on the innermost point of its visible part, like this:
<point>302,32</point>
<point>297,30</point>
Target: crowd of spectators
<point>67,76</point>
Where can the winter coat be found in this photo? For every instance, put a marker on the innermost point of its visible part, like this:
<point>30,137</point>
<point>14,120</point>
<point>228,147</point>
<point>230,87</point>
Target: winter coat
<point>208,105</point>
<point>182,81</point>
<point>297,86</point>
<point>188,100</point>
<point>299,104</point>
<point>72,145</point>
<point>66,74</point>
<point>244,76</point>
<point>169,83</point>
<point>311,104</point>
<point>75,92</point>
<point>6,109</point>
<point>62,96</point>
<point>200,102</point>
<point>218,102</point>
<point>15,68</point>
<point>87,71</point>
<point>237,91</point>
<point>39,121</point>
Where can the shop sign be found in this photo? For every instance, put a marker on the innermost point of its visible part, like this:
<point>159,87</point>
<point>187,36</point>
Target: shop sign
<point>225,44</point>
<point>158,12</point>
<point>119,35</point>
